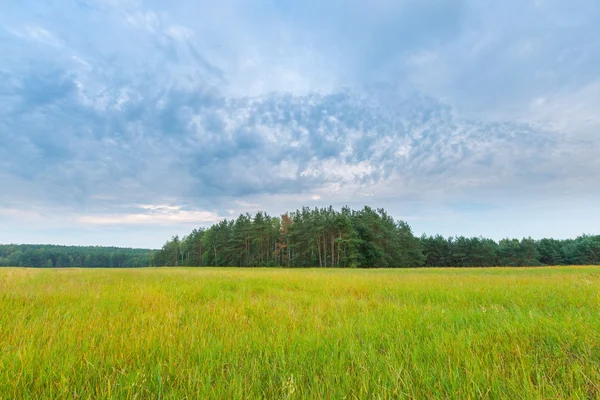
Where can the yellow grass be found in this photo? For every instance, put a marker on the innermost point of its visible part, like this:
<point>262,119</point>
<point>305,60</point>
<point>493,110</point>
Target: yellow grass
<point>275,333</point>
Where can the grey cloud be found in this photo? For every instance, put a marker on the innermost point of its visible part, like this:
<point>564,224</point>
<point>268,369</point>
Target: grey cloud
<point>151,146</point>
<point>143,116</point>
<point>511,53</point>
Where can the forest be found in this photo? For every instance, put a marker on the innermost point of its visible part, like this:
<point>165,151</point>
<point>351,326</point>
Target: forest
<point>317,237</point>
<point>367,238</point>
<point>48,256</point>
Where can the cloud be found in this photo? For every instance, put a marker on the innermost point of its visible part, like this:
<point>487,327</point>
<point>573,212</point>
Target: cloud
<point>153,215</point>
<point>229,106</point>
<point>36,33</point>
<point>507,54</point>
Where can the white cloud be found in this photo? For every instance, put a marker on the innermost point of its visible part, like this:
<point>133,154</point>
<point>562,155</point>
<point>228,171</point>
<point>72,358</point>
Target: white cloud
<point>203,104</point>
<point>36,33</point>
<point>570,111</point>
<point>245,205</point>
<point>144,20</point>
<point>154,215</point>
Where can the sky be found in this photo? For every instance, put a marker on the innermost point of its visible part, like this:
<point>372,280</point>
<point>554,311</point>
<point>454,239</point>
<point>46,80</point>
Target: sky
<point>124,122</point>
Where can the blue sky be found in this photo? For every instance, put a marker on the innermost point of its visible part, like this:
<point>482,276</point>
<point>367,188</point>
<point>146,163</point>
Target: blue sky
<point>123,122</point>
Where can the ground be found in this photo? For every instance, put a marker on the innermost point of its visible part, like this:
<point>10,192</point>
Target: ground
<point>310,333</point>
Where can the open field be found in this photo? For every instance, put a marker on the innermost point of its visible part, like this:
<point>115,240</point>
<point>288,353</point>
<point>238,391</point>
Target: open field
<point>276,333</point>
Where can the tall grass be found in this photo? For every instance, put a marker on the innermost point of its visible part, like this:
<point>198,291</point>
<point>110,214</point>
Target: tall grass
<point>275,333</point>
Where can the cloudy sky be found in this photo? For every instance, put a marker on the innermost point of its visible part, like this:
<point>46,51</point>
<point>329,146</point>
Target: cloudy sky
<point>123,122</point>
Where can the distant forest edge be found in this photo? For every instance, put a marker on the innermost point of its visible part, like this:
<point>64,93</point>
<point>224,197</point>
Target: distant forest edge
<point>324,237</point>
<point>50,256</point>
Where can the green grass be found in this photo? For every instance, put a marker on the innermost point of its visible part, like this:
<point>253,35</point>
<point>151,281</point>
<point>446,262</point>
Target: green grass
<point>275,333</point>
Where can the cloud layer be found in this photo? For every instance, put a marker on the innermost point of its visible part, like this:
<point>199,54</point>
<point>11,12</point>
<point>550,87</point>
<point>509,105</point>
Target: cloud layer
<point>130,113</point>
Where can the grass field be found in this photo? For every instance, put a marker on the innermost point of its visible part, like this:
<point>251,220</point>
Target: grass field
<point>276,333</point>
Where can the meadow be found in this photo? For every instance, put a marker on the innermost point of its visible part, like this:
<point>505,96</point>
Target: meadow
<point>300,333</point>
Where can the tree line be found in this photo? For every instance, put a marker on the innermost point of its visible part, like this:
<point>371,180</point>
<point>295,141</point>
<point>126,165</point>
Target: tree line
<point>304,238</point>
<point>318,237</point>
<point>481,252</point>
<point>48,256</point>
<point>359,238</point>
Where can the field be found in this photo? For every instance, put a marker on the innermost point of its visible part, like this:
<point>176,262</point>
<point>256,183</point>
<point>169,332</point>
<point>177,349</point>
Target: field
<point>276,333</point>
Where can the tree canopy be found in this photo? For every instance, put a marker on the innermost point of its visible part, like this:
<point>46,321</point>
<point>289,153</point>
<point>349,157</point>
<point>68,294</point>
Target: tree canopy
<point>364,238</point>
<point>47,256</point>
<point>317,237</point>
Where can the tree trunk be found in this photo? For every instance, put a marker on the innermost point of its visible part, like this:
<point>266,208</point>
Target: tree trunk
<point>325,250</point>
<point>319,248</point>
<point>338,249</point>
<point>333,249</point>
